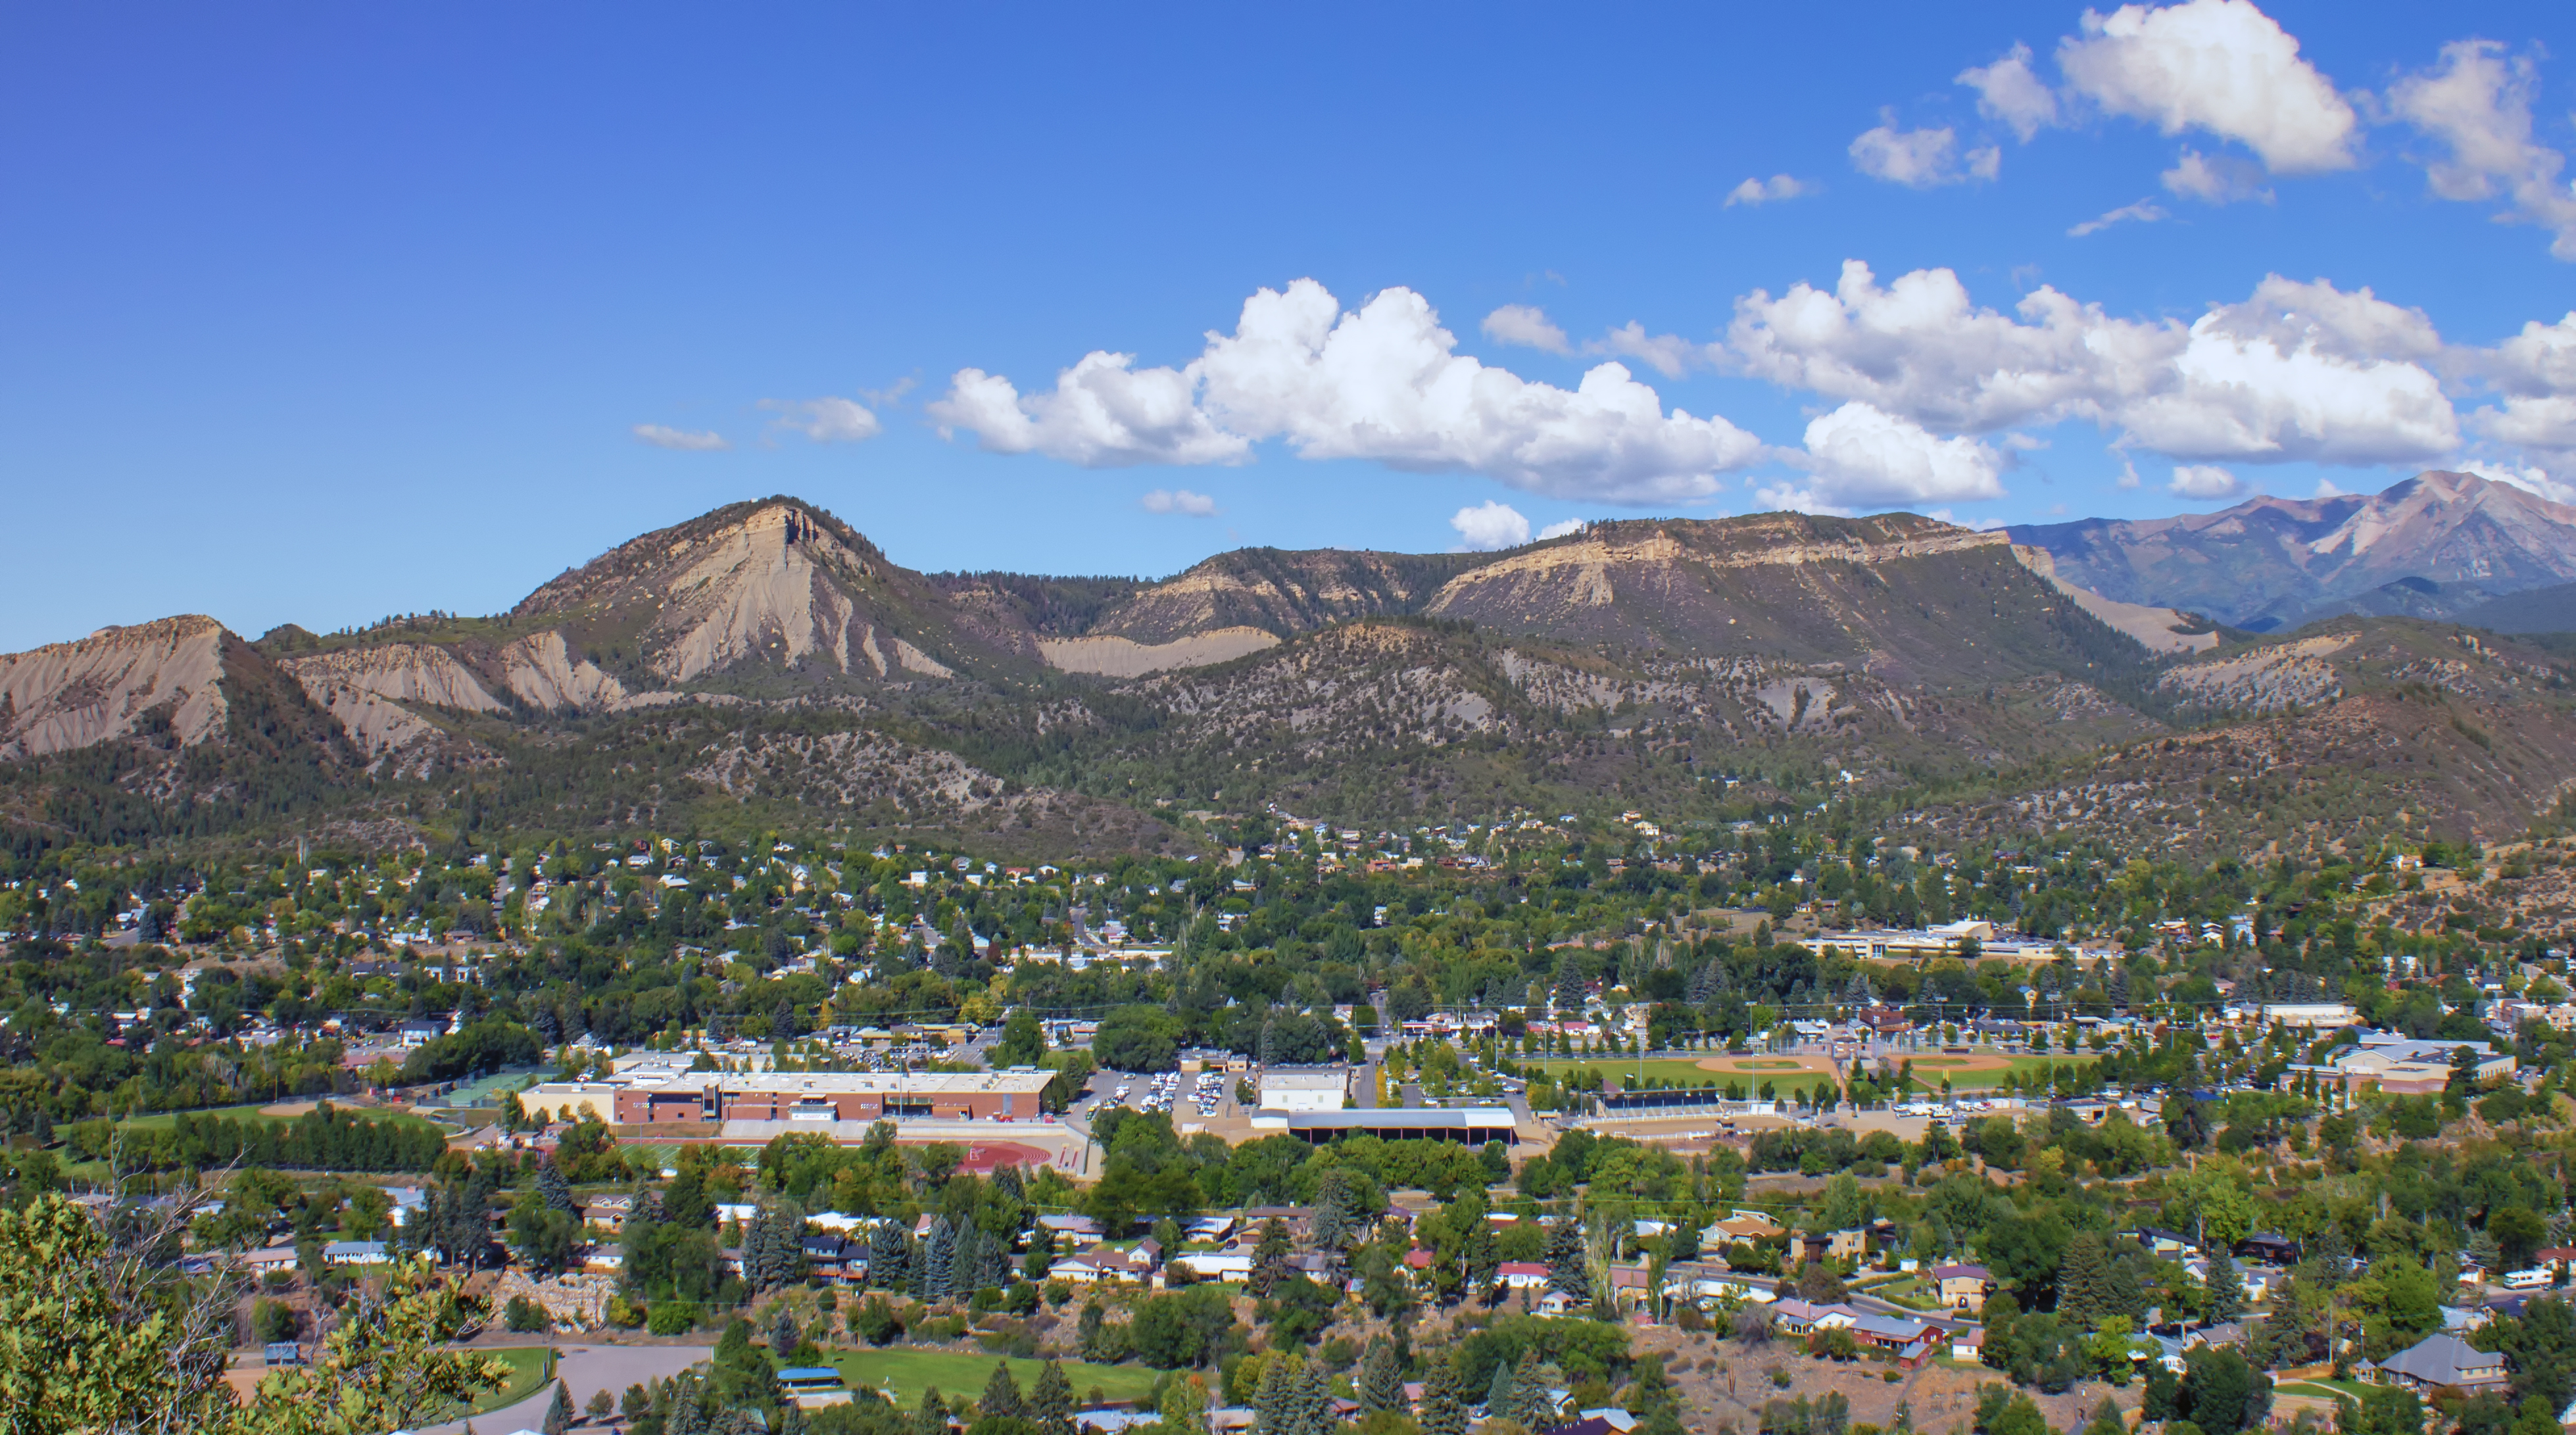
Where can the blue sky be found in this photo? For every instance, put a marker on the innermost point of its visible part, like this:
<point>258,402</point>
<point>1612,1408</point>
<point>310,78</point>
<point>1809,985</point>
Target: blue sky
<point>319,313</point>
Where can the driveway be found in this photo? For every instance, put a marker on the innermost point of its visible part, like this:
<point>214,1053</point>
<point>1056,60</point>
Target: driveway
<point>586,1368</point>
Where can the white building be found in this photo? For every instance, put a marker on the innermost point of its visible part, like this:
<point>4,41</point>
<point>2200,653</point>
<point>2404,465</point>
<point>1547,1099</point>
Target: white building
<point>1304,1090</point>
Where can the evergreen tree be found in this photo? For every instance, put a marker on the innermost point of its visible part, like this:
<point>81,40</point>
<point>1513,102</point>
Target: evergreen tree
<point>786,1244</point>
<point>1088,1328</point>
<point>965,1257</point>
<point>1051,1401</point>
<point>2226,1288</point>
<point>1503,1395</point>
<point>1534,1407</point>
<point>755,1253</point>
<point>2084,1283</point>
<point>784,1337</point>
<point>933,1416</point>
<point>1001,1394</point>
<point>886,1251</point>
<point>939,1263</point>
<point>1269,1259</point>
<point>1565,1267</point>
<point>1333,1211</point>
<point>1272,1410</point>
<point>556,1190</point>
<point>1443,1413</point>
<point>1570,986</point>
<point>1381,1379</point>
<point>1312,1402</point>
<point>1484,1258</point>
<point>559,1413</point>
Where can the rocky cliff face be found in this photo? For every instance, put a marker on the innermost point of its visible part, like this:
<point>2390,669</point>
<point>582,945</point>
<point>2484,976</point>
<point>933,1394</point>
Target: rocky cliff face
<point>766,589</point>
<point>163,678</point>
<point>2268,562</point>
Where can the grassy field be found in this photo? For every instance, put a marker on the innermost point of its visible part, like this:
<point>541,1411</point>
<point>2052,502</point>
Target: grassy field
<point>914,1371</point>
<point>1686,1073</point>
<point>531,1366</point>
<point>164,1120</point>
<point>1928,1075</point>
<point>2322,1389</point>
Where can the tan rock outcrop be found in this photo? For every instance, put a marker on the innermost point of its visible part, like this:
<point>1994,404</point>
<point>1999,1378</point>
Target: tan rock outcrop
<point>70,695</point>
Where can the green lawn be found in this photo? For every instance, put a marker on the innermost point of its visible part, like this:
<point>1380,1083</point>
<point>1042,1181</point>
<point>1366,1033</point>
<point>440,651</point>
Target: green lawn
<point>164,1120</point>
<point>2323,1389</point>
<point>531,1366</point>
<point>914,1371</point>
<point>1684,1073</point>
<point>1928,1076</point>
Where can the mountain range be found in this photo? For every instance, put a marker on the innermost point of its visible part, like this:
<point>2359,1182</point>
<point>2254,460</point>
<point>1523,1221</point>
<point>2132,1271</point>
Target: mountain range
<point>766,662</point>
<point>2434,545</point>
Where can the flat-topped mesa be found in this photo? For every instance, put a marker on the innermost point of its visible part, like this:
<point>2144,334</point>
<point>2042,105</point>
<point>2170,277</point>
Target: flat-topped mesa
<point>164,676</point>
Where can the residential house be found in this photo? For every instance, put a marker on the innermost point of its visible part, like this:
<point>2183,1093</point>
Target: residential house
<point>1964,1287</point>
<point>1523,1275</point>
<point>1798,1317</point>
<point>2438,1362</point>
<point>357,1253</point>
<point>607,1213</point>
<point>1968,1343</point>
<point>836,1258</point>
<point>1844,1245</point>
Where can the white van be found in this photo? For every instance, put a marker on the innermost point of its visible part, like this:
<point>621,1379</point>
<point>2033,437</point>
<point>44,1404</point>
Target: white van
<point>2532,1279</point>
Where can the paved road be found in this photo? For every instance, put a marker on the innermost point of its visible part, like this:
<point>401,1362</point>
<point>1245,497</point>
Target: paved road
<point>586,1368</point>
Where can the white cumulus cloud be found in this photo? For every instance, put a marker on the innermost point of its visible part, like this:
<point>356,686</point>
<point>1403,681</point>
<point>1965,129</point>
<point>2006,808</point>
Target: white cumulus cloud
<point>826,420</point>
<point>1763,191</point>
<point>1528,326</point>
<point>1666,354</point>
<point>681,439</point>
<point>2220,66</point>
<point>2297,371</point>
<point>2204,481</point>
<point>2010,91</point>
<point>1490,525</point>
<point>1921,159</point>
<point>2478,105</point>
<point>1382,382</point>
<point>1169,500</point>
<point>1859,455</point>
<point>1103,413</point>
<point>1563,528</point>
<point>1921,348</point>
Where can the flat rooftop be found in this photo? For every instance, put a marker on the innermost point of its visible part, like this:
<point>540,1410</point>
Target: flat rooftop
<point>825,1083</point>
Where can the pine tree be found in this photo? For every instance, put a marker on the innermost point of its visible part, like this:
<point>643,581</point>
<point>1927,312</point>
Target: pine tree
<point>1312,1399</point>
<point>1484,1259</point>
<point>559,1413</point>
<point>1381,1379</point>
<point>1570,986</point>
<point>1333,1211</point>
<point>784,1337</point>
<point>1443,1413</point>
<point>786,1244</point>
<point>964,1259</point>
<point>1272,1411</point>
<point>556,1190</point>
<point>1565,1266</point>
<point>1534,1408</point>
<point>939,1264</point>
<point>2084,1283</point>
<point>917,1262</point>
<point>1503,1395</point>
<point>755,1253</point>
<point>886,1251</point>
<point>1088,1328</point>
<point>933,1417</point>
<point>1001,1394</point>
<point>1269,1259</point>
<point>2226,1288</point>
<point>1051,1401</point>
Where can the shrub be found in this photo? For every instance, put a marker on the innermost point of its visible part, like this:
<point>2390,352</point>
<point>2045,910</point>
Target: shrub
<point>671,1317</point>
